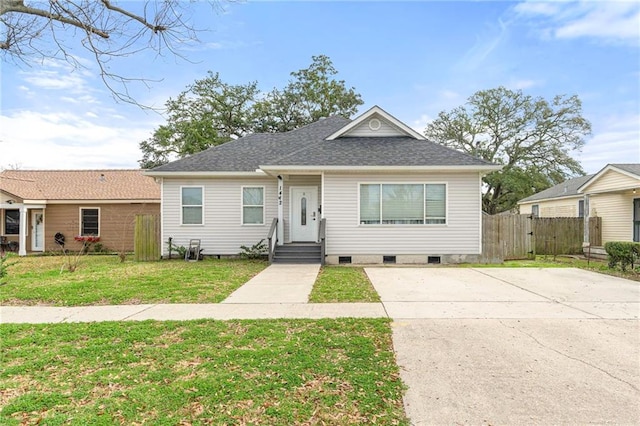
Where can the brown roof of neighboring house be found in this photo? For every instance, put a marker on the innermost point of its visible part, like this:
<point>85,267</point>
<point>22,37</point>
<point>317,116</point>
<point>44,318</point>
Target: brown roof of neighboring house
<point>79,185</point>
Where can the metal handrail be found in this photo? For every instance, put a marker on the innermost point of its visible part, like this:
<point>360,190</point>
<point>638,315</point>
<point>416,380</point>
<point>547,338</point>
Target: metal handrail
<point>272,241</point>
<point>322,238</point>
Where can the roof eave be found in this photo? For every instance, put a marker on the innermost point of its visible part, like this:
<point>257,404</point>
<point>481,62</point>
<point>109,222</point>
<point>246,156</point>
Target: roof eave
<point>561,197</point>
<point>194,174</point>
<point>478,168</point>
<point>605,169</point>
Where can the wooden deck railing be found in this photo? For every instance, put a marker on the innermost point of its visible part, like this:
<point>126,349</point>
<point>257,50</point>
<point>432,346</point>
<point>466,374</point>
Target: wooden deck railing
<point>321,238</point>
<point>272,238</point>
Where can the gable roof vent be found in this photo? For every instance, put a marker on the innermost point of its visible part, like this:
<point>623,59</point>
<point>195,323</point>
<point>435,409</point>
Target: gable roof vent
<point>374,124</point>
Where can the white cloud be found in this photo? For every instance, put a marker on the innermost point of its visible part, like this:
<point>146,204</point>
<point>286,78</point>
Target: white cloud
<point>421,123</point>
<point>614,21</point>
<point>484,47</point>
<point>68,141</point>
<point>537,8</point>
<point>615,140</point>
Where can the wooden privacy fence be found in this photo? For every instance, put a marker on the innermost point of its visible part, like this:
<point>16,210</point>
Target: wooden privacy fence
<point>146,241</point>
<point>505,238</point>
<point>520,236</point>
<point>564,235</point>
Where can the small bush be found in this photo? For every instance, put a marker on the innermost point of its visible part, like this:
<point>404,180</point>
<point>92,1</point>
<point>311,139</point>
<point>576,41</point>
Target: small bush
<point>4,266</point>
<point>256,251</point>
<point>623,253</point>
<point>181,250</point>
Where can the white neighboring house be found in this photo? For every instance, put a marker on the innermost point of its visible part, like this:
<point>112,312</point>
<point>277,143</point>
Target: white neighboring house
<point>612,194</point>
<point>374,188</point>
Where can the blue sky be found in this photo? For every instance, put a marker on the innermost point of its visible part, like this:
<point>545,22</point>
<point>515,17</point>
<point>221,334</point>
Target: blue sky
<point>413,59</point>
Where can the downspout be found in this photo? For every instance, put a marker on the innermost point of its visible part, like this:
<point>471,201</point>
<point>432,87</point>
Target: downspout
<point>280,229</point>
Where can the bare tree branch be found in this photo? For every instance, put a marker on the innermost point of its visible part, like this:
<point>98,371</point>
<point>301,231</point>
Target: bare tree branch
<point>30,31</point>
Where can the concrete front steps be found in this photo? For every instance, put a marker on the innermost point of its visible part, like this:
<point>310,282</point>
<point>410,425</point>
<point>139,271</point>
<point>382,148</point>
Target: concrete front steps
<point>298,253</point>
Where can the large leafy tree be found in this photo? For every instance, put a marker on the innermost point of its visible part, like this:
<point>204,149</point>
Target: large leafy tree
<point>211,112</point>
<point>533,138</point>
<point>208,113</point>
<point>313,93</point>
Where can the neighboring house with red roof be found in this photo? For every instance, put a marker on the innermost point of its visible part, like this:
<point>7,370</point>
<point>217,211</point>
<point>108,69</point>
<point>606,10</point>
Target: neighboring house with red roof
<point>35,205</point>
<point>612,194</point>
<point>368,190</point>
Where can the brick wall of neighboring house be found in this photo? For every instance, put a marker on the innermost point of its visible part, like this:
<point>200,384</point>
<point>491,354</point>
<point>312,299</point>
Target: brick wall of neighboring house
<point>116,224</point>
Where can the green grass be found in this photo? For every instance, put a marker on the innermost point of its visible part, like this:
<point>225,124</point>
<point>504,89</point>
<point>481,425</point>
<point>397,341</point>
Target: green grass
<point>104,280</point>
<point>336,284</point>
<point>276,372</point>
<point>561,262</point>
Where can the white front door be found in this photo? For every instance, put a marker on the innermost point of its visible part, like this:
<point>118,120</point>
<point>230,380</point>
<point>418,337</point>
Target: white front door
<point>304,213</point>
<point>37,231</point>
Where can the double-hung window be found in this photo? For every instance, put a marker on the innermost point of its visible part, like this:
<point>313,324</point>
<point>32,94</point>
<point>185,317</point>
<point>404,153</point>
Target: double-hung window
<point>192,200</point>
<point>89,221</point>
<point>12,222</point>
<point>253,205</point>
<point>535,210</point>
<point>403,204</point>
<point>580,208</point>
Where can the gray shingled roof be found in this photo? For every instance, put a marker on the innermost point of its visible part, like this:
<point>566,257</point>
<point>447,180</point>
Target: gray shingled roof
<point>565,189</point>
<point>629,168</point>
<point>307,146</point>
<point>249,152</point>
<point>379,151</point>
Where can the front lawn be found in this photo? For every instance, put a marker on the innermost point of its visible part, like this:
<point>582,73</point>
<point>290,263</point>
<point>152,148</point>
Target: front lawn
<point>343,284</point>
<point>104,280</point>
<point>276,372</point>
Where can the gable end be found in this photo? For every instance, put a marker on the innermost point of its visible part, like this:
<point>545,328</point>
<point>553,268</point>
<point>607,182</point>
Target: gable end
<point>376,122</point>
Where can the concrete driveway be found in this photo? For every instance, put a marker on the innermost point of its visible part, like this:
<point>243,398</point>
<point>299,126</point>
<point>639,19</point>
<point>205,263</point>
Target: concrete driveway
<point>514,345</point>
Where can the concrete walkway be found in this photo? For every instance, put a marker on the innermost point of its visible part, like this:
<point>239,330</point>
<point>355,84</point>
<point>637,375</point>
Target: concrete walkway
<point>278,283</point>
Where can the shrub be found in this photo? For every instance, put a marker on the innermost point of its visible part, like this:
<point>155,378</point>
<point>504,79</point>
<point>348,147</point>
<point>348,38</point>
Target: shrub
<point>4,266</point>
<point>181,250</point>
<point>256,251</point>
<point>622,252</point>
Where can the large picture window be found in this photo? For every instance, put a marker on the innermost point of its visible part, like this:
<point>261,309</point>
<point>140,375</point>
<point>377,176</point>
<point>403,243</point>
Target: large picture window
<point>192,205</point>
<point>253,205</point>
<point>89,222</point>
<point>12,222</point>
<point>402,204</point>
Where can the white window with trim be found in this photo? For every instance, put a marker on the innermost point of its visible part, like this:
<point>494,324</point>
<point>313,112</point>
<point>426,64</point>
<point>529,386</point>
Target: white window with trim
<point>580,208</point>
<point>253,205</point>
<point>89,221</point>
<point>403,204</point>
<point>535,210</point>
<point>12,222</point>
<point>192,203</point>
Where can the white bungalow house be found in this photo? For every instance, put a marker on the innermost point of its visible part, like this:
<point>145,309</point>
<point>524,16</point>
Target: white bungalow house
<point>612,194</point>
<point>368,190</point>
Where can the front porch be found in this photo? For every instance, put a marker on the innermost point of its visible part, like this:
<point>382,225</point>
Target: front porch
<point>22,229</point>
<point>297,233</point>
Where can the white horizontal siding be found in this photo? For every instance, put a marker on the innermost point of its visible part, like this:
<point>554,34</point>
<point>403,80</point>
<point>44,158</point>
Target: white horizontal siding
<point>222,232</point>
<point>345,236</point>
<point>563,207</point>
<point>612,181</point>
<point>616,211</point>
<point>385,129</point>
